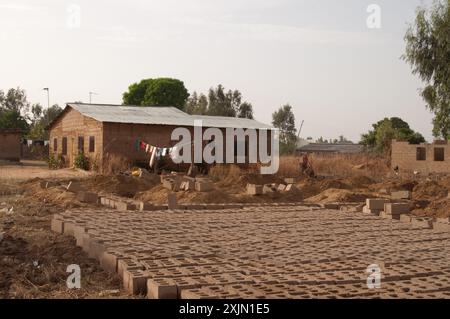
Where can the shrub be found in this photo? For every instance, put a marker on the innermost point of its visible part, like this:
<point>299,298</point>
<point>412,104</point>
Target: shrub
<point>82,162</point>
<point>55,162</point>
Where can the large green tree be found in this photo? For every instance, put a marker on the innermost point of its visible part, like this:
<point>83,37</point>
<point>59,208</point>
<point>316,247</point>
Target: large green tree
<point>384,131</point>
<point>157,92</point>
<point>13,109</point>
<point>41,118</point>
<point>284,120</point>
<point>428,53</point>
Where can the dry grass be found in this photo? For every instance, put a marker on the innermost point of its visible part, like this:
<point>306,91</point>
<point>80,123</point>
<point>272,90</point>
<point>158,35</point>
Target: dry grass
<point>114,164</point>
<point>339,165</point>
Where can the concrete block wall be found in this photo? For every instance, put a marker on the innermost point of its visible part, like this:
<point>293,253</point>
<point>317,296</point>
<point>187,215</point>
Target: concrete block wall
<point>404,156</point>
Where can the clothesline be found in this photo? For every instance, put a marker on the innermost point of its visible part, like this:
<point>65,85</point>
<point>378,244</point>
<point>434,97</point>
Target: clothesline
<point>155,151</point>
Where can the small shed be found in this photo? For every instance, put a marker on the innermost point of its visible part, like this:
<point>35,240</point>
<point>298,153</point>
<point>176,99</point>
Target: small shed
<point>10,144</point>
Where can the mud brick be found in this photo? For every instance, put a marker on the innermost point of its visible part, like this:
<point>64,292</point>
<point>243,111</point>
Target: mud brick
<point>399,195</point>
<point>444,227</point>
<point>74,187</point>
<point>254,190</point>
<point>376,203</point>
<point>367,210</point>
<point>172,201</point>
<point>396,208</point>
<point>87,197</point>
<point>57,225</point>
<point>203,186</point>
<point>145,206</point>
<point>135,281</point>
<point>200,294</point>
<point>124,206</point>
<point>162,289</point>
<point>78,232</point>
<point>104,201</point>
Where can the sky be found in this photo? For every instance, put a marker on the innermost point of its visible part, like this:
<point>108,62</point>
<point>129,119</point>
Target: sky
<point>320,56</point>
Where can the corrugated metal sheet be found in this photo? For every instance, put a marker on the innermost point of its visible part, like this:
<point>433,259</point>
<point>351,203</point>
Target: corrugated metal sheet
<point>331,148</point>
<point>159,115</point>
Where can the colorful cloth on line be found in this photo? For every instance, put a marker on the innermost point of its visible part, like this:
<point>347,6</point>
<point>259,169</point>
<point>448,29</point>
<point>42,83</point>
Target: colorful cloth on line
<point>154,151</point>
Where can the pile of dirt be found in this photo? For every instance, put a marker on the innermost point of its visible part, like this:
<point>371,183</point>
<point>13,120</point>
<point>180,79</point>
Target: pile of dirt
<point>120,184</point>
<point>334,195</point>
<point>429,191</point>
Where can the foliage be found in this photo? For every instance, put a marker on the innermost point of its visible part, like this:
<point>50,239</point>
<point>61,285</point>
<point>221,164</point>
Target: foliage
<point>284,120</point>
<point>40,120</point>
<point>384,131</point>
<point>157,92</point>
<point>13,107</point>
<point>82,162</point>
<point>219,102</point>
<point>428,53</point>
<point>55,162</point>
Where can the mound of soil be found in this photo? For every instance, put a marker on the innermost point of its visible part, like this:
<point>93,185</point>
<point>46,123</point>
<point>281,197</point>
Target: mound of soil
<point>334,195</point>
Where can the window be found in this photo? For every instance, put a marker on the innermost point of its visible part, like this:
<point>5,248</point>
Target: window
<point>80,144</point>
<point>421,154</point>
<point>439,154</point>
<point>64,146</point>
<point>91,144</point>
<point>55,145</point>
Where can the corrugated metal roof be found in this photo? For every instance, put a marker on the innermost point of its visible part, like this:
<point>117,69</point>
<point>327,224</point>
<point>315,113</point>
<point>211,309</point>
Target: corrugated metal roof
<point>159,115</point>
<point>331,148</point>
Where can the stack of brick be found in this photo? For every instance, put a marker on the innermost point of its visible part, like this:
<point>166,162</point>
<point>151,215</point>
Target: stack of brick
<point>119,203</point>
<point>374,206</point>
<point>395,210</point>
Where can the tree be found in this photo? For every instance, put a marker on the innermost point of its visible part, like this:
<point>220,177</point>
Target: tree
<point>41,119</point>
<point>284,120</point>
<point>13,109</point>
<point>157,92</point>
<point>428,53</point>
<point>219,103</point>
<point>384,131</point>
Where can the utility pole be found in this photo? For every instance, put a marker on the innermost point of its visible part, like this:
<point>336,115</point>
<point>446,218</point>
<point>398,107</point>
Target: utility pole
<point>90,96</point>
<point>48,104</point>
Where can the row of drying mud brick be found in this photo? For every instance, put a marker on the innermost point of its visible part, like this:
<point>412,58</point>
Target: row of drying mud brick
<point>262,252</point>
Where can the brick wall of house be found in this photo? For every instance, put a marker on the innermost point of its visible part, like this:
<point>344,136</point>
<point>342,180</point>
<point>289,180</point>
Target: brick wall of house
<point>421,158</point>
<point>71,126</point>
<point>10,146</point>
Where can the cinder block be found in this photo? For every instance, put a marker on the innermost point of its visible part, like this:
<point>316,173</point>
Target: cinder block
<point>87,197</point>
<point>398,195</point>
<point>168,184</point>
<point>135,281</point>
<point>405,218</point>
<point>376,203</point>
<point>123,206</point>
<point>367,210</point>
<point>78,233</point>
<point>290,188</point>
<point>254,190</point>
<point>281,188</point>
<point>68,228</point>
<point>172,201</point>
<point>57,225</point>
<point>267,189</point>
<point>162,289</point>
<point>422,222</point>
<point>145,206</point>
<point>331,206</point>
<point>289,180</point>
<point>204,186</point>
<point>444,227</point>
<point>108,261</point>
<point>96,249</point>
<point>396,208</point>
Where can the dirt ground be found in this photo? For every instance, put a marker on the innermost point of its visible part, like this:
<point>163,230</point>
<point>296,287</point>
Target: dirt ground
<point>33,260</point>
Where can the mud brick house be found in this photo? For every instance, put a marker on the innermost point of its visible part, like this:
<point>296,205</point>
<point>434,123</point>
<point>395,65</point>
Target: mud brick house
<point>103,131</point>
<point>423,158</point>
<point>10,144</point>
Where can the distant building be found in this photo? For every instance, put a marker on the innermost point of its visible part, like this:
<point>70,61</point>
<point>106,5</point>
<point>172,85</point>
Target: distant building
<point>101,131</point>
<point>10,144</point>
<point>345,148</point>
<point>423,158</point>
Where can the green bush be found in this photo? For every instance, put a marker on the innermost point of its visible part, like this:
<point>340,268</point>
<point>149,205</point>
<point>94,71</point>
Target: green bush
<point>55,162</point>
<point>82,162</point>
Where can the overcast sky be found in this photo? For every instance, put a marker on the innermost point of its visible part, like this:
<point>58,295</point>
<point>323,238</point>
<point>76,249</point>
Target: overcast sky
<point>318,55</point>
